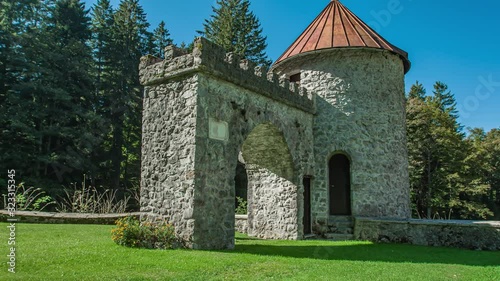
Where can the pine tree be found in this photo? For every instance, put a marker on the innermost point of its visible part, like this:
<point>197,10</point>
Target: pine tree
<point>66,92</point>
<point>483,163</point>
<point>18,34</point>
<point>417,91</point>
<point>421,151</point>
<point>491,144</point>
<point>48,98</point>
<point>188,48</point>
<point>445,99</point>
<point>131,41</point>
<point>441,182</point>
<point>236,28</point>
<point>161,38</point>
<point>103,74</point>
<point>102,44</point>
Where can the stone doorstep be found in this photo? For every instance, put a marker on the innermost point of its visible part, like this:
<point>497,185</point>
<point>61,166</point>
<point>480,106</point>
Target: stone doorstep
<point>310,236</point>
<point>346,230</point>
<point>341,224</point>
<point>334,219</point>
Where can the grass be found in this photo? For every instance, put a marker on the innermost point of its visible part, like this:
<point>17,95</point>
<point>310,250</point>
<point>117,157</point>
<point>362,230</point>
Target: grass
<point>86,252</point>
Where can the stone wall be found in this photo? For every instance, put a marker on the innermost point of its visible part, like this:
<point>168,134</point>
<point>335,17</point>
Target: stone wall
<point>200,111</point>
<point>474,235</point>
<point>360,113</point>
<point>272,205</point>
<point>64,218</point>
<point>168,152</point>
<point>276,158</point>
<point>212,59</point>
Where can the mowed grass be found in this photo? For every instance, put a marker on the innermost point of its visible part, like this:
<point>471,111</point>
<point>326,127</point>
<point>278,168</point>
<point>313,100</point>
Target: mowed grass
<point>86,252</point>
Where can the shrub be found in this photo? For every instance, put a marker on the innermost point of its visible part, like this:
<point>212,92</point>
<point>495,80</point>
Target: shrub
<point>31,198</point>
<point>132,233</point>
<point>241,209</point>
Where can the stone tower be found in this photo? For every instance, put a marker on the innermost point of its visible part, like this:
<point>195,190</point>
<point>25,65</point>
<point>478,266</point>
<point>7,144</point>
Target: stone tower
<point>359,129</point>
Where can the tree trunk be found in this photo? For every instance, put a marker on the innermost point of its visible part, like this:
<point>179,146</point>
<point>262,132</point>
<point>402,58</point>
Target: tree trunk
<point>429,187</point>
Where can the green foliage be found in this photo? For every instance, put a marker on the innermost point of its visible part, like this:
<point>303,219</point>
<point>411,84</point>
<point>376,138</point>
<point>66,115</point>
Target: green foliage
<point>187,48</point>
<point>241,208</point>
<point>483,162</point>
<point>442,184</point>
<point>49,114</point>
<point>132,233</point>
<point>161,38</point>
<point>62,117</point>
<point>417,91</point>
<point>32,199</point>
<point>445,100</point>
<point>119,96</point>
<point>236,28</point>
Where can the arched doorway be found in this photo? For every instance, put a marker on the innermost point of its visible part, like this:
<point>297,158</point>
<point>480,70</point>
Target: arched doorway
<point>339,168</point>
<point>272,192</point>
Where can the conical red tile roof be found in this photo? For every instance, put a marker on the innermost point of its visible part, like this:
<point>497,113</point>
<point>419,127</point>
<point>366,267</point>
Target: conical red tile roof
<point>338,27</point>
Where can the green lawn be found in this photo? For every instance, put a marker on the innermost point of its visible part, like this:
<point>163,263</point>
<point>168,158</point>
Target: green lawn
<point>86,252</point>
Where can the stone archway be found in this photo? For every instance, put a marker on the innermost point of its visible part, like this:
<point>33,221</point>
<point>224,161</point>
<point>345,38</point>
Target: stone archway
<point>201,110</point>
<point>272,195</point>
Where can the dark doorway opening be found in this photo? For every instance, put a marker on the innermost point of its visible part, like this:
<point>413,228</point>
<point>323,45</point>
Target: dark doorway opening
<point>241,184</point>
<point>307,205</point>
<point>340,185</point>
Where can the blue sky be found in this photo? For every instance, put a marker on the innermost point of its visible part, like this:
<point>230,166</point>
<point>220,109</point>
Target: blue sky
<point>453,41</point>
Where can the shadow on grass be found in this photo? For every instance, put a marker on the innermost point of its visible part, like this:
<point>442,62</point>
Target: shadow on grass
<point>396,253</point>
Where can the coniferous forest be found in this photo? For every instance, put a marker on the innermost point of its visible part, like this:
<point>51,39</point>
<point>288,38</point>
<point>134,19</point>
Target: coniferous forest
<point>71,102</point>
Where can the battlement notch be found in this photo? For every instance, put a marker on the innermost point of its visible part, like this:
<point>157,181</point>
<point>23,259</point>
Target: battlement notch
<point>213,60</point>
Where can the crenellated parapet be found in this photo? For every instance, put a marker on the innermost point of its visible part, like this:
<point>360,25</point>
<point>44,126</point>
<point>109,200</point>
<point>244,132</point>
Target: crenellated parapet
<point>213,60</point>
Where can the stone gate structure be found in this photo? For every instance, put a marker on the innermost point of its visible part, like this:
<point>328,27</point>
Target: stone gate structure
<point>321,135</point>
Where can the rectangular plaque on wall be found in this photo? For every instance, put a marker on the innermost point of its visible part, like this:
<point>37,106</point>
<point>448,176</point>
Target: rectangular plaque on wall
<point>218,130</point>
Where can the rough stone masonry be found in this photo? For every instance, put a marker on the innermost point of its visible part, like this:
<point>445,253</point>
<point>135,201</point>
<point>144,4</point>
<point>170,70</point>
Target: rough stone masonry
<point>201,111</point>
<point>317,144</point>
<point>205,109</point>
<point>360,113</point>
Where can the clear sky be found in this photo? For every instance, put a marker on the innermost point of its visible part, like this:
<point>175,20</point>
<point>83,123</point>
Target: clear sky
<point>453,41</point>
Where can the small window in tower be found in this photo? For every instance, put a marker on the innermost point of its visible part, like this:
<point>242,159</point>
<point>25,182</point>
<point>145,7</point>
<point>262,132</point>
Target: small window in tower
<point>295,78</point>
